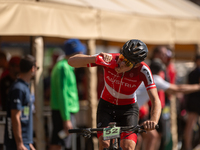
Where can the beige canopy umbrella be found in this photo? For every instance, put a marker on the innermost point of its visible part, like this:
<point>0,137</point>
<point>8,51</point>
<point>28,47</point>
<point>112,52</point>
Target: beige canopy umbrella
<point>185,21</point>
<point>47,19</point>
<point>153,21</point>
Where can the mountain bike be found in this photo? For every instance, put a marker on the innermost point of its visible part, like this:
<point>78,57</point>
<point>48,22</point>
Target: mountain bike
<point>112,133</point>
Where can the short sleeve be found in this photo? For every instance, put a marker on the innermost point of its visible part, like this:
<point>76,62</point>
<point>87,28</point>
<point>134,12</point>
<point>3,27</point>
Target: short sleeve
<point>16,97</point>
<point>160,83</point>
<point>147,77</point>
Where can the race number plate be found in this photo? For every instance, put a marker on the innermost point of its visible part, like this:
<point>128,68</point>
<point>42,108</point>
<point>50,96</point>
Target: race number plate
<point>111,133</point>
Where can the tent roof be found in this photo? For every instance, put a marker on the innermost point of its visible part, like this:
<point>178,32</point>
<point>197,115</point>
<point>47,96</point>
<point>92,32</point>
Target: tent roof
<point>174,9</point>
<point>153,21</point>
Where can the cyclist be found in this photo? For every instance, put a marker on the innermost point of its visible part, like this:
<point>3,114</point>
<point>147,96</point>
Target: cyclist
<point>123,73</point>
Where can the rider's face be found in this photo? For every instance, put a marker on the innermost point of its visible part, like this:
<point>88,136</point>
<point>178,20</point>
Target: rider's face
<point>123,67</point>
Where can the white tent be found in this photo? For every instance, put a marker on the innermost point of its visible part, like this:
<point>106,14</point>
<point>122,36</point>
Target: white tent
<point>153,21</point>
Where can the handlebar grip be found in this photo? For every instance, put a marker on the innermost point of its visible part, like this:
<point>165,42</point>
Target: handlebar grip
<point>156,127</point>
<point>75,130</point>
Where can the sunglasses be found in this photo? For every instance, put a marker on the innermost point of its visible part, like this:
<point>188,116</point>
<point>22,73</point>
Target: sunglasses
<point>126,61</point>
<point>37,67</point>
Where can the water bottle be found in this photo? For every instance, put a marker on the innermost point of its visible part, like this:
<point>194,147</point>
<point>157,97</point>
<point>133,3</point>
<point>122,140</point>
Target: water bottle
<point>62,134</point>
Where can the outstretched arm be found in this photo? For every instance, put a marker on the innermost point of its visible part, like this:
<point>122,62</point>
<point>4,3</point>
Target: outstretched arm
<point>81,60</point>
<point>184,88</point>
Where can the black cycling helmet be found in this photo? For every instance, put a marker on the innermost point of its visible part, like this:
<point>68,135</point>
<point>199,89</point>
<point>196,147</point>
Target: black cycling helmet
<point>134,50</point>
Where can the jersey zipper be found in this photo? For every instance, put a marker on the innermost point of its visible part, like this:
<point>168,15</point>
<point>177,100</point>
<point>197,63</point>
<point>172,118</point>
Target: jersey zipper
<point>119,88</point>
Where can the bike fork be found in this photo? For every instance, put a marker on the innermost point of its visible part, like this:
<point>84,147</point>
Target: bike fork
<point>119,148</point>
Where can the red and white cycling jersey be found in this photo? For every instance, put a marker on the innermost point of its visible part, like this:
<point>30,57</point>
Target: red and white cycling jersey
<point>120,88</point>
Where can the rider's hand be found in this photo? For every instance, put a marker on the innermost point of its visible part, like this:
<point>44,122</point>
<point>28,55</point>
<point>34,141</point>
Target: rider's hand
<point>67,125</point>
<point>106,57</point>
<point>149,125</point>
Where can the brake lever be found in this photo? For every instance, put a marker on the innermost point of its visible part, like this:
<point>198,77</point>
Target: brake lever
<point>141,129</point>
<point>156,127</point>
<point>87,133</point>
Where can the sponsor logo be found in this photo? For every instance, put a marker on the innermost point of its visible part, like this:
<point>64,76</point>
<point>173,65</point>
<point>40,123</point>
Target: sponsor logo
<point>130,80</point>
<point>17,101</point>
<point>115,75</point>
<point>120,82</point>
<point>131,75</point>
<point>148,75</point>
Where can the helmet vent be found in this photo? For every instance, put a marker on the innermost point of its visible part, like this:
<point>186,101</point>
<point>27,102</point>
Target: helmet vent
<point>135,50</point>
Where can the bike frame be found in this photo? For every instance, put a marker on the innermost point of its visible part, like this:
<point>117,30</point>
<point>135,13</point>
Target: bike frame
<point>113,146</point>
<point>113,142</point>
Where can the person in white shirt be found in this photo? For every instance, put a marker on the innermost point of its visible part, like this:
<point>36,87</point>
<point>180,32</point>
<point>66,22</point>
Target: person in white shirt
<point>156,67</point>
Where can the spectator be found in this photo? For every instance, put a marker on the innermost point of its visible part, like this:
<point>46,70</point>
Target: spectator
<point>19,122</point>
<point>156,67</point>
<point>170,68</point>
<point>192,105</point>
<point>3,64</point>
<point>9,79</point>
<point>55,56</point>
<point>160,53</point>
<point>3,69</point>
<point>64,96</point>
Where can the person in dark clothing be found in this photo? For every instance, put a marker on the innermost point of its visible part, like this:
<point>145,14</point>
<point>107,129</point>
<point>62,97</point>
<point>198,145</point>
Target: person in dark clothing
<point>3,64</point>
<point>192,105</point>
<point>8,80</point>
<point>19,119</point>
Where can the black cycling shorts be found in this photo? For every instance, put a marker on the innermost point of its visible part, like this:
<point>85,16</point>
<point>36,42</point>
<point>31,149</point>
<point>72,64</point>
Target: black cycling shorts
<point>192,105</point>
<point>123,115</point>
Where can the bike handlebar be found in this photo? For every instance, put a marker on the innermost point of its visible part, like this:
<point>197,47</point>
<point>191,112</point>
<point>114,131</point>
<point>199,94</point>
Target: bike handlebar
<point>84,130</point>
<point>134,129</point>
